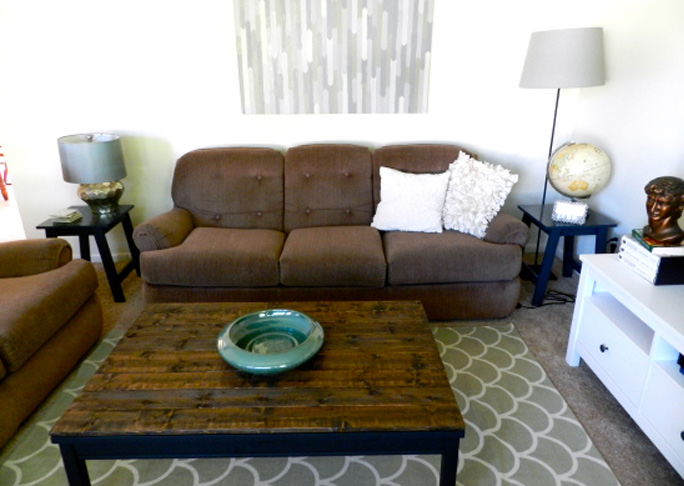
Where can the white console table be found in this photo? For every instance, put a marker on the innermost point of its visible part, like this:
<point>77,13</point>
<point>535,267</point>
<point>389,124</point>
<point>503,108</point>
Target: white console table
<point>630,333</point>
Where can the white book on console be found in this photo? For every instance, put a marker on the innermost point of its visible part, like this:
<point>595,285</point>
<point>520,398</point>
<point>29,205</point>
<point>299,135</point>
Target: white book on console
<point>638,267</point>
<point>632,247</point>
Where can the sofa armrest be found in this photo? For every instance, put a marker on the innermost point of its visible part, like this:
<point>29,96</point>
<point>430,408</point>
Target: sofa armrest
<point>30,257</point>
<point>163,231</point>
<point>507,229</point>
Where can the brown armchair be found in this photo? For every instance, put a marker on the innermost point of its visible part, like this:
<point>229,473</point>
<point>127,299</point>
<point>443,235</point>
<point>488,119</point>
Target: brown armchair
<point>50,316</point>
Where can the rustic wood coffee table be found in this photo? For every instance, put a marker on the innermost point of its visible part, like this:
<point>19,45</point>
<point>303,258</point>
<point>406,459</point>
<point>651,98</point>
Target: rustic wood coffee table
<point>377,386</point>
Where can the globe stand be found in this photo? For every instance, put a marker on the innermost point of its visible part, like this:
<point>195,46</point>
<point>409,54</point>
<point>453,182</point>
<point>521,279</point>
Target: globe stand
<point>572,212</point>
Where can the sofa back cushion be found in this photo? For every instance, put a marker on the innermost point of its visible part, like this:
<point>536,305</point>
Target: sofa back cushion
<point>417,158</point>
<point>235,187</point>
<point>328,185</point>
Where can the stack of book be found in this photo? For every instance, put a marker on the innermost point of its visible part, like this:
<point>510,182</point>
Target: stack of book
<point>66,216</point>
<point>660,265</point>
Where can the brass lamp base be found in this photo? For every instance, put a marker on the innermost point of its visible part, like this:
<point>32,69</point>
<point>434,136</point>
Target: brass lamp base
<point>102,197</point>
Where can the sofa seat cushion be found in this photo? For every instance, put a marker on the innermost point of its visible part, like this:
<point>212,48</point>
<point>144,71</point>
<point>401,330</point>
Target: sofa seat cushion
<point>35,307</point>
<point>217,257</point>
<point>448,257</point>
<point>347,256</point>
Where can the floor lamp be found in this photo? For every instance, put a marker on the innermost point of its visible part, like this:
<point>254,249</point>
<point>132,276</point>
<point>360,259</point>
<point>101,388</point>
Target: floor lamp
<point>556,59</point>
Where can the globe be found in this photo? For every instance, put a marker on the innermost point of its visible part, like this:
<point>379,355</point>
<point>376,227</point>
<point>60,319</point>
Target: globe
<point>578,170</point>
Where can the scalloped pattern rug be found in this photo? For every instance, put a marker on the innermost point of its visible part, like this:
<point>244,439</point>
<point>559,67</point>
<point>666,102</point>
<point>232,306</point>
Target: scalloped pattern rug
<point>519,432</point>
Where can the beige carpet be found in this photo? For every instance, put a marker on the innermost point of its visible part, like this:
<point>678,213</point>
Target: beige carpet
<point>519,431</point>
<point>630,454</point>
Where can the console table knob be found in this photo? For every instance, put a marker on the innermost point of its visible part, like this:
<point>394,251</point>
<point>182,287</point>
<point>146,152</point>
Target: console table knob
<point>603,348</point>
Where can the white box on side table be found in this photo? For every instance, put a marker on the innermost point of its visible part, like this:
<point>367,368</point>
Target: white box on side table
<point>630,333</point>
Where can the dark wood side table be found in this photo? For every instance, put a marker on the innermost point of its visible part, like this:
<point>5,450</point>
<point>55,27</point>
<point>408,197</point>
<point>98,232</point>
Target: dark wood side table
<point>97,226</point>
<point>596,225</point>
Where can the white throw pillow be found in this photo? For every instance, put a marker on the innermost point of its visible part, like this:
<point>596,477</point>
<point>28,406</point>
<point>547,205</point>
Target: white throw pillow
<point>476,192</point>
<point>410,202</point>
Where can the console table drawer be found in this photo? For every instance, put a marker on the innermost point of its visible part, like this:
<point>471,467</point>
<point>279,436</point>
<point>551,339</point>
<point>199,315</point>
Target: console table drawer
<point>613,350</point>
<point>663,407</point>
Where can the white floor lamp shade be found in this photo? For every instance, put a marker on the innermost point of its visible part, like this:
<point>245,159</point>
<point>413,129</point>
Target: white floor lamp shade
<point>569,58</point>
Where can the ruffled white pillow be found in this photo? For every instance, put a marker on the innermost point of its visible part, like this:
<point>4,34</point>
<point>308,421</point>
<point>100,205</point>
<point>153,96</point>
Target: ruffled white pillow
<point>410,202</point>
<point>476,192</point>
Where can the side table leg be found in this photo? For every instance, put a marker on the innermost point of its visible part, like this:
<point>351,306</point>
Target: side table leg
<point>128,231</point>
<point>75,468</point>
<point>545,270</point>
<point>568,256</point>
<point>84,246</point>
<point>601,240</point>
<point>109,267</point>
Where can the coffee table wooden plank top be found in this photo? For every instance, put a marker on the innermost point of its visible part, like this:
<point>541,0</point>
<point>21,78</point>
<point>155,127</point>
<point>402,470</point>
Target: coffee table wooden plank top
<point>379,369</point>
<point>377,386</point>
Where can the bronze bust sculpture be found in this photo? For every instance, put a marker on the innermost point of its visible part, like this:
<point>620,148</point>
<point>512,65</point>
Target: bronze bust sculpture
<point>664,205</point>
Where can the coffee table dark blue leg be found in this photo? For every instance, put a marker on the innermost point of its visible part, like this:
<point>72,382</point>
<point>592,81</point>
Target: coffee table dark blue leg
<point>75,468</point>
<point>447,471</point>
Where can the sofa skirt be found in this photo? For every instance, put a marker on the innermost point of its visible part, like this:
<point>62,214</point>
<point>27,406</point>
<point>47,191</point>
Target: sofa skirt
<point>442,302</point>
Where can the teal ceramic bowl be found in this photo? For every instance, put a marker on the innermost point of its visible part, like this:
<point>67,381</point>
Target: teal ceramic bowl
<point>270,341</point>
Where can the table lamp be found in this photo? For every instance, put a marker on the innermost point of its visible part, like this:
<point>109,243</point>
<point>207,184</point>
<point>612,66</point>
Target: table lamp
<point>95,161</point>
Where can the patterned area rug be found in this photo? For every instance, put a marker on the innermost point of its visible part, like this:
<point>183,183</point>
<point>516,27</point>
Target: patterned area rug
<point>519,432</point>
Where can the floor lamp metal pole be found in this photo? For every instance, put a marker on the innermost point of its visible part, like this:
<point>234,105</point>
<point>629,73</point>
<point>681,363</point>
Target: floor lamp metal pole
<point>546,177</point>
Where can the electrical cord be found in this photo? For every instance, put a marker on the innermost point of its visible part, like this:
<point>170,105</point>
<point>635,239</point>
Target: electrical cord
<point>552,297</point>
<point>556,297</point>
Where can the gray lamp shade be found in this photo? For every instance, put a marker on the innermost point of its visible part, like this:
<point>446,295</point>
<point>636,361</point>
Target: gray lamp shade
<point>91,158</point>
<point>569,58</point>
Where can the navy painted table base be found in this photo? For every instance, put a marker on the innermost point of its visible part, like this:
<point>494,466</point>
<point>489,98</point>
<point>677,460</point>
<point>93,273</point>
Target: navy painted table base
<point>98,226</point>
<point>76,452</point>
<point>596,225</point>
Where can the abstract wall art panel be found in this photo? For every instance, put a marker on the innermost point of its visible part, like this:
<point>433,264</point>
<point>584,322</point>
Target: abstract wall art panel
<point>333,56</point>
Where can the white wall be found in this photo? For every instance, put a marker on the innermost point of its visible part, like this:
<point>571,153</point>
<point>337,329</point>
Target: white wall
<point>163,75</point>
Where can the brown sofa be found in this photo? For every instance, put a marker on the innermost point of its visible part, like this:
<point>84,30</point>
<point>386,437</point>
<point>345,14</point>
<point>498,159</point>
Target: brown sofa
<point>257,224</point>
<point>49,317</point>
